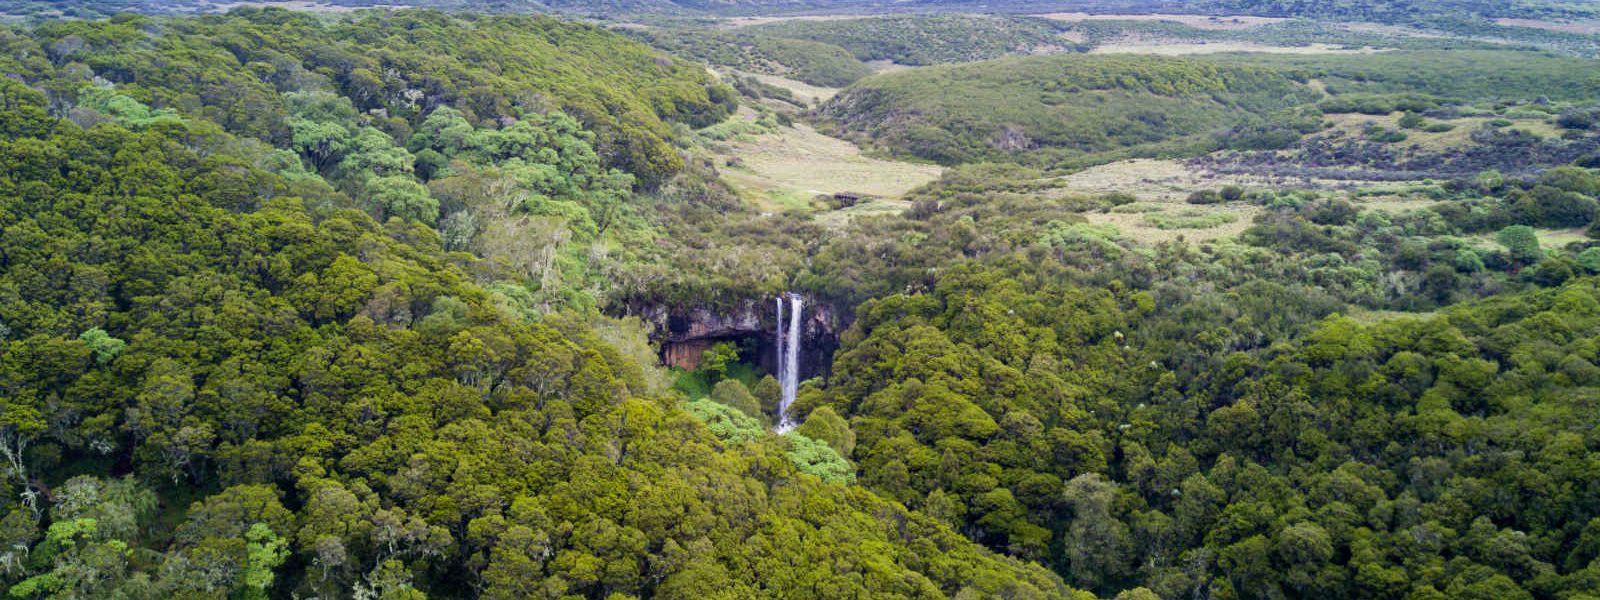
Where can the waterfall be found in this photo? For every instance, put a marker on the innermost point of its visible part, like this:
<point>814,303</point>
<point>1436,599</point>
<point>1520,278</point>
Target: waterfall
<point>791,378</point>
<point>783,364</point>
<point>788,358</point>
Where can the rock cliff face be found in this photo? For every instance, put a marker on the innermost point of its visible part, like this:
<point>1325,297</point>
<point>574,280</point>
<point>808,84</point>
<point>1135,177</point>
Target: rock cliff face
<point>685,334</point>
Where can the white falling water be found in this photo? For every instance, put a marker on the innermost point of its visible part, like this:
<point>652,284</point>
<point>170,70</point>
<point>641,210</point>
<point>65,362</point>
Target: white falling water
<point>788,359</point>
<point>791,379</point>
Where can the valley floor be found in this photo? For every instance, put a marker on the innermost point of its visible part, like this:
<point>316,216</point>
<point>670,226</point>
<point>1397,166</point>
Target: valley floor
<point>785,169</point>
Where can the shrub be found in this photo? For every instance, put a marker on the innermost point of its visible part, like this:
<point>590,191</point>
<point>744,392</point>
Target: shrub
<point>817,458</point>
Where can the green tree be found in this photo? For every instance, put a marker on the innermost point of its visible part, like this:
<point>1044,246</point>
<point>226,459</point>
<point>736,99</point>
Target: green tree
<point>1590,259</point>
<point>769,393</point>
<point>401,197</point>
<point>825,425</point>
<point>373,153</point>
<point>726,422</point>
<point>816,458</point>
<point>322,125</point>
<point>1521,242</point>
<point>730,392</point>
<point>105,347</point>
<point>714,362</point>
<point>1099,547</point>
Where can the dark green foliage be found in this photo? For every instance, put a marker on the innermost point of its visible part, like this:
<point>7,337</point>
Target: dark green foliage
<point>104,346</point>
<point>1383,135</point>
<point>1579,118</point>
<point>1098,443</point>
<point>730,392</point>
<point>230,69</point>
<point>825,425</point>
<point>816,458</point>
<point>1521,242</point>
<point>353,416</point>
<point>298,306</point>
<point>22,111</point>
<point>1401,11</point>
<point>1272,132</point>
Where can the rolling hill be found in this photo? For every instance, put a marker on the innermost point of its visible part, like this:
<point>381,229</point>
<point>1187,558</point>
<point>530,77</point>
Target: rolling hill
<point>1054,108</point>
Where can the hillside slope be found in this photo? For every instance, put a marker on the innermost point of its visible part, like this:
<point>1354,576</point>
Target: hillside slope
<point>925,39</point>
<point>814,63</point>
<point>1048,109</point>
<point>1066,110</point>
<point>232,69</point>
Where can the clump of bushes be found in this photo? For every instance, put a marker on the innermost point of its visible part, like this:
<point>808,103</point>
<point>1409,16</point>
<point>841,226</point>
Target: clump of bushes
<point>1384,135</point>
<point>1228,193</point>
<point>1379,104</point>
<point>1579,118</point>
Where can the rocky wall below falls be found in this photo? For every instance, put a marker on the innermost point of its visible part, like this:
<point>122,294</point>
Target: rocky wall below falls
<point>684,334</point>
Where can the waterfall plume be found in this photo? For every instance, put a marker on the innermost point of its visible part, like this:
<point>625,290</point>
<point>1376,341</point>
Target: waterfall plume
<point>788,342</point>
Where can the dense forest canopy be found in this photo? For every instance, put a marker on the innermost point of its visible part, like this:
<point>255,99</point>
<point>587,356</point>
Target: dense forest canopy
<point>221,378</point>
<point>235,70</point>
<point>1358,461</point>
<point>376,305</point>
